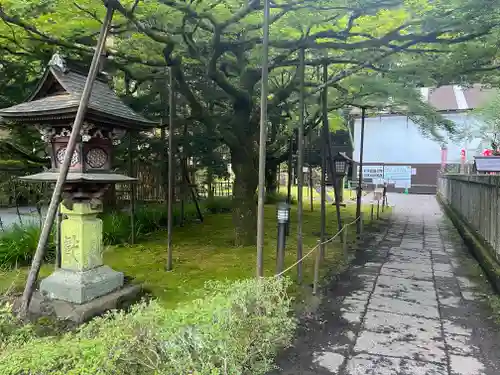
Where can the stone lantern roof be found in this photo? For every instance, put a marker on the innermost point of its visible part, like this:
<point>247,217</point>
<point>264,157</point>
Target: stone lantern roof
<point>57,97</point>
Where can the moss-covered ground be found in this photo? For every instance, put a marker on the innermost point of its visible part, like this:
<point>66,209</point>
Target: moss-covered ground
<point>205,252</point>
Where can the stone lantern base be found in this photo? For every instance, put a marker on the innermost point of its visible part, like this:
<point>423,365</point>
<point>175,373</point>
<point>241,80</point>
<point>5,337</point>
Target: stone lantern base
<point>81,287</point>
<point>82,276</point>
<point>75,313</point>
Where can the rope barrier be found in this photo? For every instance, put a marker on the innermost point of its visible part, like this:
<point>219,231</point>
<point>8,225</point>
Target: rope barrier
<point>317,246</point>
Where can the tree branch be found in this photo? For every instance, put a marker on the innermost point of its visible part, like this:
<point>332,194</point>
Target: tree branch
<point>188,11</point>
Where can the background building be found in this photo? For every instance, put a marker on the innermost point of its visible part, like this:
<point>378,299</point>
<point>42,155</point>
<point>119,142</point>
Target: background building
<point>393,141</point>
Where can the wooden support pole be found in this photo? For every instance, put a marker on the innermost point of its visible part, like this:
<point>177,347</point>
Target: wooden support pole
<point>345,246</point>
<point>323,195</point>
<point>171,170</point>
<point>290,169</point>
<point>360,178</point>
<point>132,186</point>
<point>300,167</point>
<point>57,263</point>
<point>331,164</point>
<point>311,189</point>
<point>163,137</point>
<point>361,224</point>
<point>317,263</point>
<point>261,192</point>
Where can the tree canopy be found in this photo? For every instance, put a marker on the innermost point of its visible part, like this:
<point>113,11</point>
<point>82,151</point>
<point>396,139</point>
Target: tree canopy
<point>376,51</point>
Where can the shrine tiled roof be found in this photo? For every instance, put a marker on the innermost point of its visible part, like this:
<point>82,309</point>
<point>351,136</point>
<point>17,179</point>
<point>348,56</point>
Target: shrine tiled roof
<point>103,103</point>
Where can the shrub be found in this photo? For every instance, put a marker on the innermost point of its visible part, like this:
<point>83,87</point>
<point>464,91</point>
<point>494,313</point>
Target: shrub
<point>18,244</point>
<point>275,197</point>
<point>235,329</point>
<point>12,331</point>
<point>115,228</point>
<point>218,205</point>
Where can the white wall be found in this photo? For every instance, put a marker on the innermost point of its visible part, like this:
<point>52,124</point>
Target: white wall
<point>396,139</point>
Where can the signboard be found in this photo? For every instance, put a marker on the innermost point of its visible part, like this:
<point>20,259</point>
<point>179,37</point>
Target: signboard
<point>488,163</point>
<point>399,175</point>
<point>372,171</point>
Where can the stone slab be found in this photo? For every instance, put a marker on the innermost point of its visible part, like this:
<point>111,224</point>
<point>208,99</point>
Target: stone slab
<point>329,361</point>
<point>408,274</point>
<point>365,364</point>
<point>417,291</point>
<point>463,365</point>
<point>403,307</point>
<point>410,266</point>
<point>402,336</point>
<point>81,313</point>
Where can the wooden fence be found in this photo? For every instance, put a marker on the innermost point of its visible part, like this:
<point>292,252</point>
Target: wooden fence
<point>151,187</point>
<point>476,198</point>
<point>14,192</point>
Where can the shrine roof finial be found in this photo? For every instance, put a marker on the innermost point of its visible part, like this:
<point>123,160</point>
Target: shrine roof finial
<point>57,61</point>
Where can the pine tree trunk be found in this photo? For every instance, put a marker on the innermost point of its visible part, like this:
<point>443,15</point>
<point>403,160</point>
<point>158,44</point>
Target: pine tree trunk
<point>243,163</point>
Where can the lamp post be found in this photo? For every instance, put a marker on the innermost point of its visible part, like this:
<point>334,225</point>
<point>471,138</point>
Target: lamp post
<point>283,216</point>
<point>341,163</point>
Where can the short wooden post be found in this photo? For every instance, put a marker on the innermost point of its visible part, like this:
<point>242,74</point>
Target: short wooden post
<point>378,209</point>
<point>372,211</point>
<point>361,229</point>
<point>316,269</point>
<point>344,242</point>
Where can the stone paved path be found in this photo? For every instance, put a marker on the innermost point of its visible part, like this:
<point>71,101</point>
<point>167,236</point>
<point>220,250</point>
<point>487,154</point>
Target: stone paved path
<point>406,308</point>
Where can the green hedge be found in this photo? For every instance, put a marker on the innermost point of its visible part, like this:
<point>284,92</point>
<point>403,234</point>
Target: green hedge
<point>236,328</point>
<point>18,243</point>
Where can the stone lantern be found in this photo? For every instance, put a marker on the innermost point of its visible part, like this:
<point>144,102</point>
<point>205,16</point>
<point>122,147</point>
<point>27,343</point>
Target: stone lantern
<point>82,279</point>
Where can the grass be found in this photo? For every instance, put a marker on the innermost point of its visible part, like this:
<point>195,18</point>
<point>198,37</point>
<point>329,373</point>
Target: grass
<point>204,252</point>
<point>348,194</point>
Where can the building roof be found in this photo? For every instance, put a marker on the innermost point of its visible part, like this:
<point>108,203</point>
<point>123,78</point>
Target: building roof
<point>453,98</point>
<point>58,95</point>
<point>456,98</point>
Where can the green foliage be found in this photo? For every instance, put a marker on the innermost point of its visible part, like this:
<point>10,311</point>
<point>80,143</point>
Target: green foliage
<point>218,204</point>
<point>488,124</point>
<point>275,197</point>
<point>215,49</point>
<point>115,228</point>
<point>12,331</point>
<point>482,124</point>
<point>235,329</point>
<point>18,244</point>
